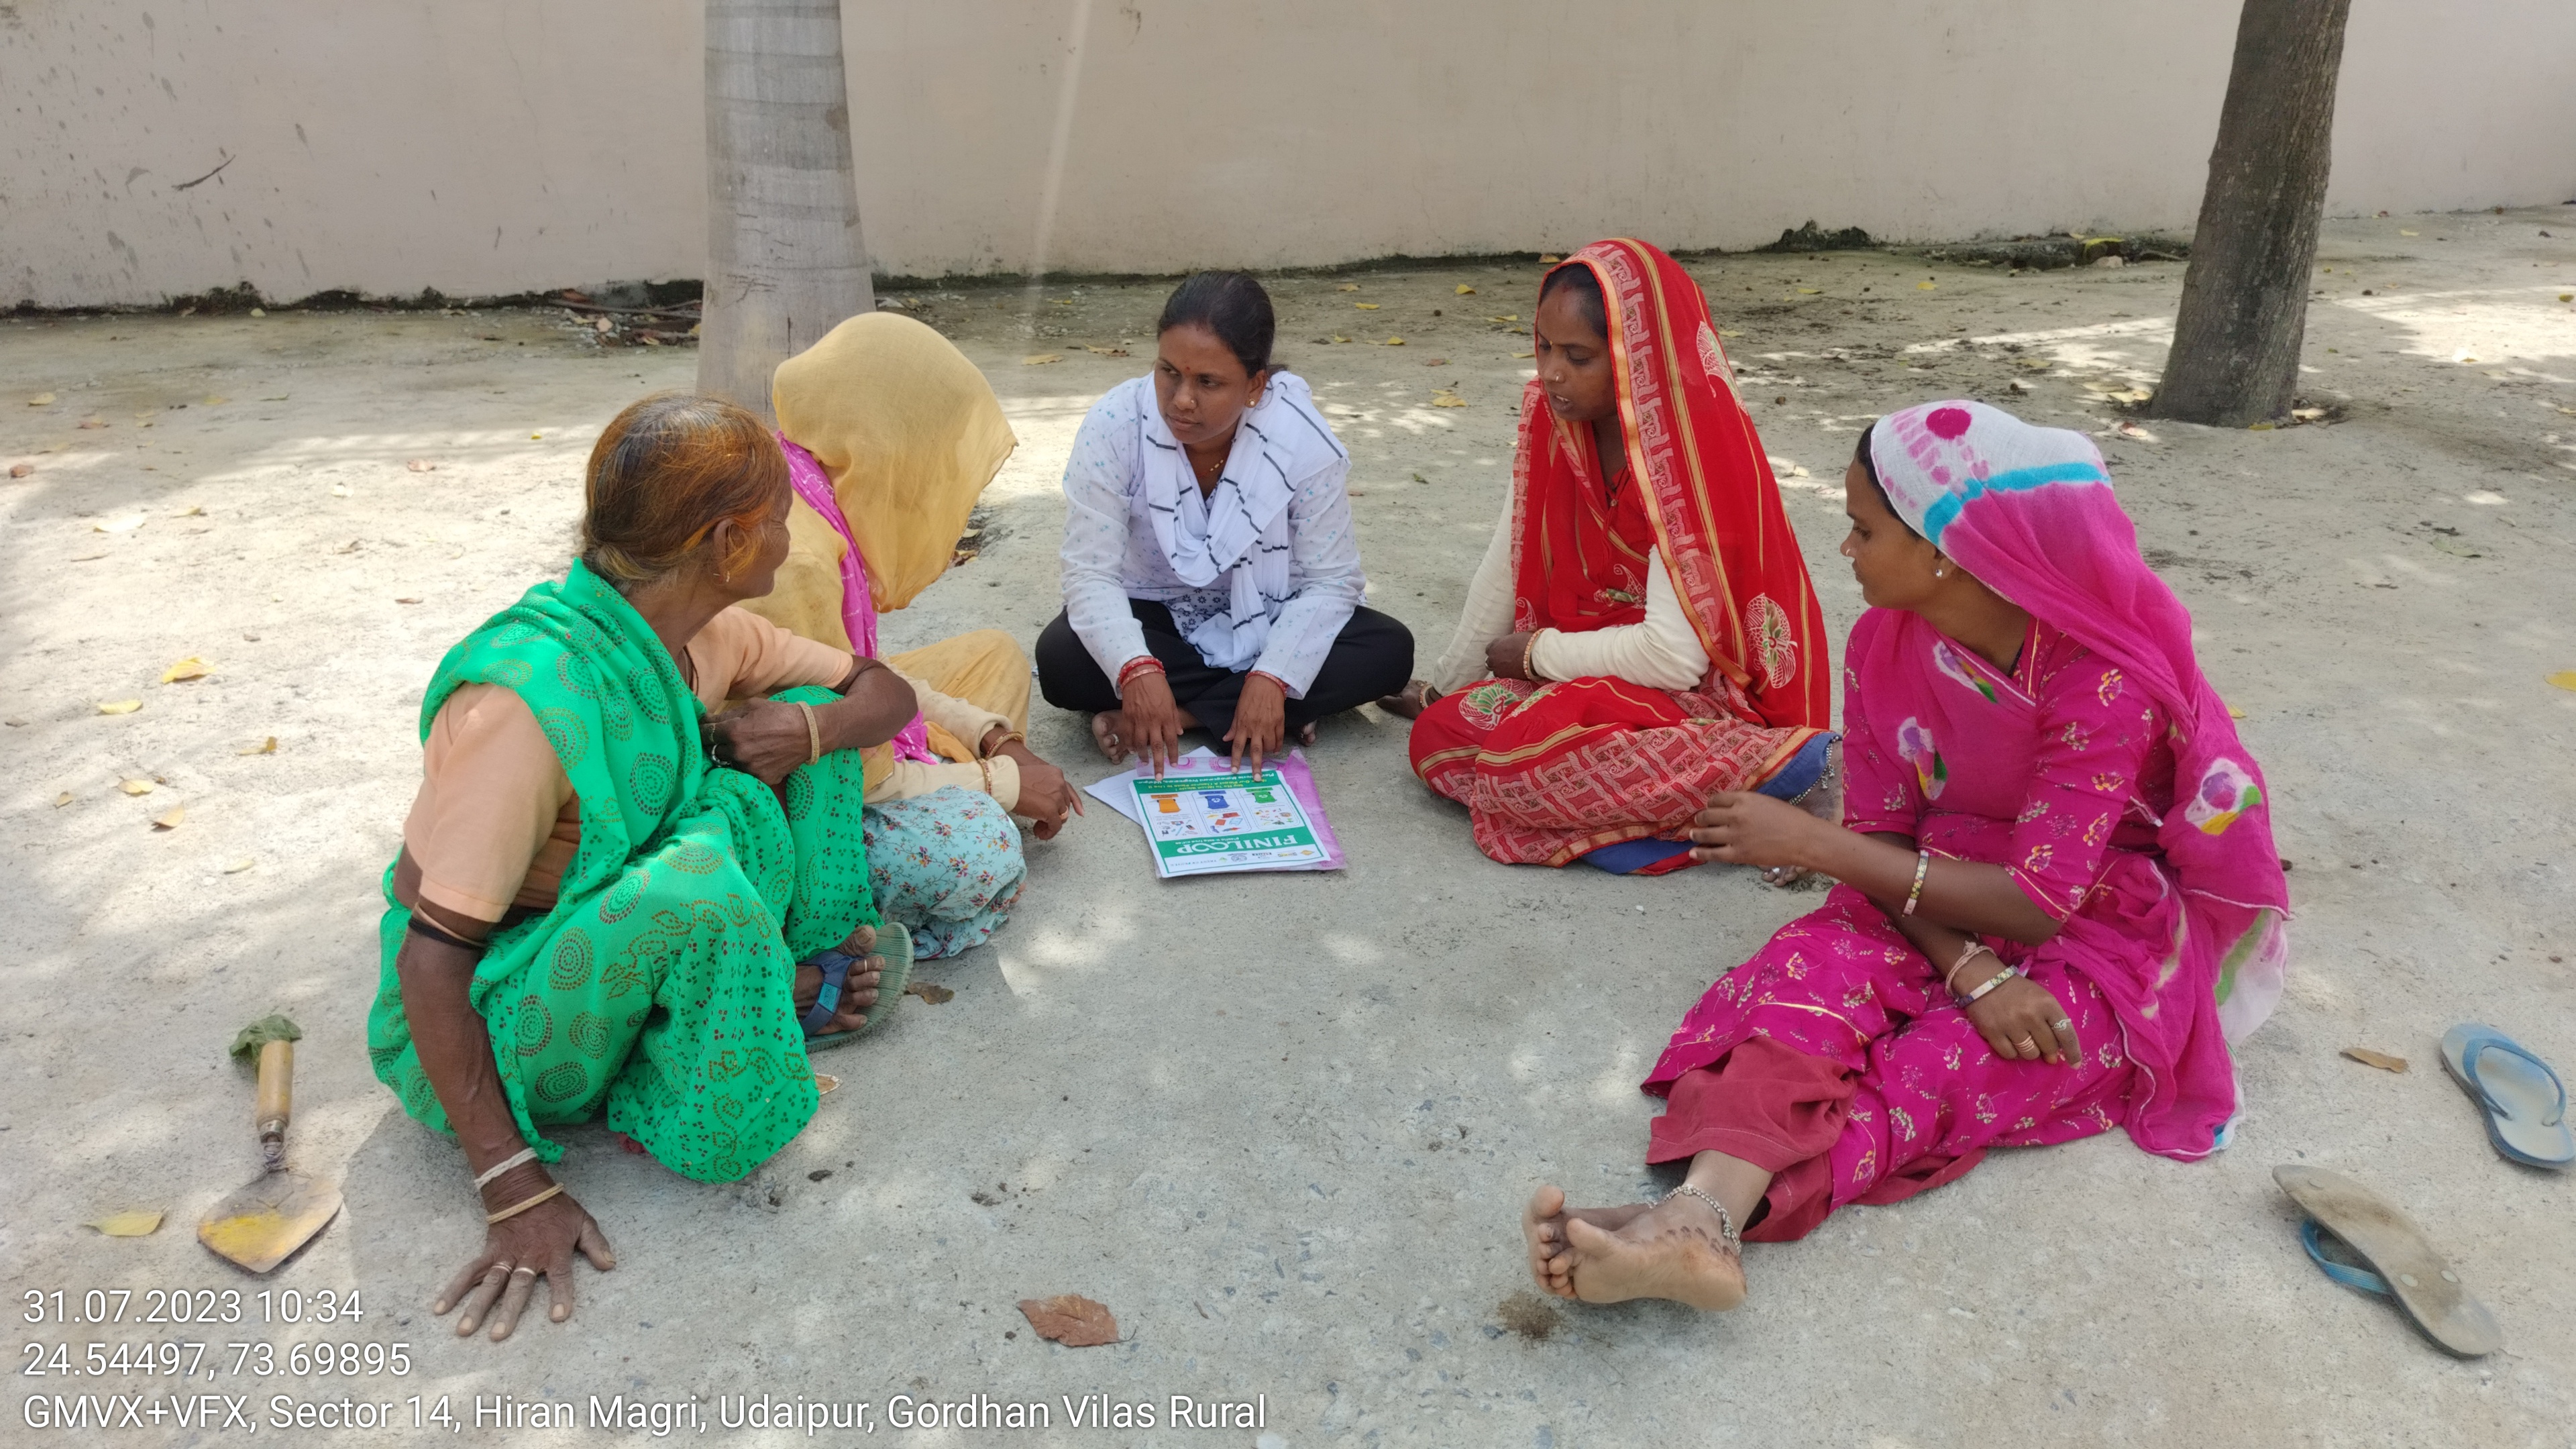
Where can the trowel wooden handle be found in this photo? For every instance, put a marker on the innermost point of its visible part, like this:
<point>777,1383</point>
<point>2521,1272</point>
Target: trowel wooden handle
<point>276,1089</point>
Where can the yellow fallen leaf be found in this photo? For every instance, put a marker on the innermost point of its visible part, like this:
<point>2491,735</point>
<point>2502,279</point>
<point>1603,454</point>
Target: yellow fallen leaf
<point>2567,296</point>
<point>237,867</point>
<point>135,787</point>
<point>191,667</point>
<point>135,1224</point>
<point>62,799</point>
<point>41,400</point>
<point>1506,317</point>
<point>2401,231</point>
<point>1366,306</point>
<point>213,401</point>
<point>193,510</point>
<point>2564,679</point>
<point>1811,291</point>
<point>1465,291</point>
<point>266,746</point>
<point>1339,338</point>
<point>2258,427</point>
<point>120,706</point>
<point>1925,286</point>
<point>1524,354</point>
<point>1348,287</point>
<point>127,524</point>
<point>1548,261</point>
<point>1444,398</point>
<point>1395,342</point>
<point>824,1082</point>
<point>172,820</point>
<point>536,437</point>
<point>2234,713</point>
<point>2381,1060</point>
<point>1041,359</point>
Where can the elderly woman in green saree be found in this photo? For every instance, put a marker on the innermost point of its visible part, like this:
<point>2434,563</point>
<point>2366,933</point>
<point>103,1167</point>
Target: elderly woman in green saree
<point>616,896</point>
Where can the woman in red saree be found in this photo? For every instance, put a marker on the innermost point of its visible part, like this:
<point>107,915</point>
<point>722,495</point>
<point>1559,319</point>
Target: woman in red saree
<point>1642,633</point>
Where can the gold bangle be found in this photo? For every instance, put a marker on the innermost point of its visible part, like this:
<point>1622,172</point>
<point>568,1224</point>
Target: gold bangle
<point>987,767</point>
<point>813,731</point>
<point>1014,737</point>
<point>1527,671</point>
<point>1922,868</point>
<point>508,1213</point>
<point>1966,955</point>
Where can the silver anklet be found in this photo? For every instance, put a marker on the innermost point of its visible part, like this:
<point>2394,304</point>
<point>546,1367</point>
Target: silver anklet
<point>1725,1220</point>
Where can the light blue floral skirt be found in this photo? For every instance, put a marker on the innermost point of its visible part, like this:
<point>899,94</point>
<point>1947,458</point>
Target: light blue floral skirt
<point>947,865</point>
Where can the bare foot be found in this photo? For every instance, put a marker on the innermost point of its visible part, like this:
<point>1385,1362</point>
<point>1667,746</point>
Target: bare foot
<point>858,991</point>
<point>1552,1258</point>
<point>1306,733</point>
<point>1108,730</point>
<point>1672,1249</point>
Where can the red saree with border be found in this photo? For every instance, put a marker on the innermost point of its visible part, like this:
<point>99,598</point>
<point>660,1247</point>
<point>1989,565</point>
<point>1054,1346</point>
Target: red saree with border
<point>1552,771</point>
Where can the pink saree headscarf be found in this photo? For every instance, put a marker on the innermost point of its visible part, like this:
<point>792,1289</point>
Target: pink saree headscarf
<point>858,606</point>
<point>2030,513</point>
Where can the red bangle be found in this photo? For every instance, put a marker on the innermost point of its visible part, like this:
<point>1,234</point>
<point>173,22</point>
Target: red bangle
<point>1142,663</point>
<point>1273,678</point>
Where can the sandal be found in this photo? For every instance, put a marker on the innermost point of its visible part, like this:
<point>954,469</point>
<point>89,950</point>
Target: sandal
<point>2524,1102</point>
<point>2396,1259</point>
<point>894,944</point>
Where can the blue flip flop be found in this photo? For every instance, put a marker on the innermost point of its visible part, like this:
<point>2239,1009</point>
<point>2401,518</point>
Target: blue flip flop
<point>2313,1236</point>
<point>2524,1101</point>
<point>894,944</point>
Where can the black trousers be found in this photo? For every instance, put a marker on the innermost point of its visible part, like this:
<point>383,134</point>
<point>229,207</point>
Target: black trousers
<point>1373,656</point>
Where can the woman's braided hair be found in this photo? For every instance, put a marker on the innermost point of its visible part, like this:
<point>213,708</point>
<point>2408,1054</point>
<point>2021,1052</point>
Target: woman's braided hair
<point>664,474</point>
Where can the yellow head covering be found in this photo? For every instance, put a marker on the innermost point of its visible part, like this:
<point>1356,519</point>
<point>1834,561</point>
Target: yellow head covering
<point>910,434</point>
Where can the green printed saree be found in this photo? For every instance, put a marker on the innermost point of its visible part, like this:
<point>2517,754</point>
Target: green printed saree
<point>660,984</point>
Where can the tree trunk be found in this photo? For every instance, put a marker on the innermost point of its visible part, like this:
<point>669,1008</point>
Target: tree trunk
<point>2235,358</point>
<point>784,259</point>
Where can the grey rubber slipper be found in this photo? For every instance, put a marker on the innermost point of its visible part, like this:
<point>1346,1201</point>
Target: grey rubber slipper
<point>2425,1285</point>
<point>2524,1102</point>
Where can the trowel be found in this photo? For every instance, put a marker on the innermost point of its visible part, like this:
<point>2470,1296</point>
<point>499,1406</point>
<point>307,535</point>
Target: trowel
<point>262,1224</point>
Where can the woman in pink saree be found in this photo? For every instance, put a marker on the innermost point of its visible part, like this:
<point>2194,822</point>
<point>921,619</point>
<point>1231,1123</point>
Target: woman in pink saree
<point>2059,899</point>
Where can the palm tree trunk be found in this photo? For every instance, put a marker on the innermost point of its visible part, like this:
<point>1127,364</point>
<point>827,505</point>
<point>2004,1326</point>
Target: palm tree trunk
<point>2244,314</point>
<point>785,263</point>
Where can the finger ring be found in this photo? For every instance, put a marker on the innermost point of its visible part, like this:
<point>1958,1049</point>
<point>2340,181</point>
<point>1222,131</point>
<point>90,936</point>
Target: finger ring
<point>523,1268</point>
<point>2025,1044</point>
<point>2062,1024</point>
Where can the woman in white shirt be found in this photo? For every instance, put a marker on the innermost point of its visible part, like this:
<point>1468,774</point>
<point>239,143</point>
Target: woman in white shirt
<point>1211,576</point>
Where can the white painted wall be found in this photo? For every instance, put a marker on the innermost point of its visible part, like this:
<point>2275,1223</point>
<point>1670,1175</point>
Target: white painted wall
<point>493,146</point>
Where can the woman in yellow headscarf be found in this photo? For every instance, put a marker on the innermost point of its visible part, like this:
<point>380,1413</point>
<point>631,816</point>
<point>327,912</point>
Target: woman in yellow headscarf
<point>890,435</point>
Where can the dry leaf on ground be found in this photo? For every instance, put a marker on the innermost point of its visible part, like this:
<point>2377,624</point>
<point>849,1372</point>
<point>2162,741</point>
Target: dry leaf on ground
<point>135,786</point>
<point>191,667</point>
<point>62,799</point>
<point>421,465</point>
<point>133,1224</point>
<point>267,746</point>
<point>2234,713</point>
<point>41,400</point>
<point>127,524</point>
<point>1344,287</point>
<point>1105,351</point>
<point>237,867</point>
<point>119,706</point>
<point>1041,359</point>
<point>824,1082</point>
<point>92,423</point>
<point>1444,398</point>
<point>1395,342</point>
<point>2564,679</point>
<point>2381,1060</point>
<point>407,600</point>
<point>1071,1319</point>
<point>1548,261</point>
<point>21,470</point>
<point>1465,291</point>
<point>1366,306</point>
<point>928,991</point>
<point>171,821</point>
<point>1926,285</point>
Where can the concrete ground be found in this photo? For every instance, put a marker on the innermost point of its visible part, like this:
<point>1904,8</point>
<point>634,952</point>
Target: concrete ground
<point>1283,1125</point>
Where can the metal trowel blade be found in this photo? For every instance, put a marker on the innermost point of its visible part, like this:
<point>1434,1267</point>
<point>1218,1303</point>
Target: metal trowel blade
<point>263,1224</point>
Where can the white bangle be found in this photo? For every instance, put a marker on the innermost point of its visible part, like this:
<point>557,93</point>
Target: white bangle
<point>524,1154</point>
